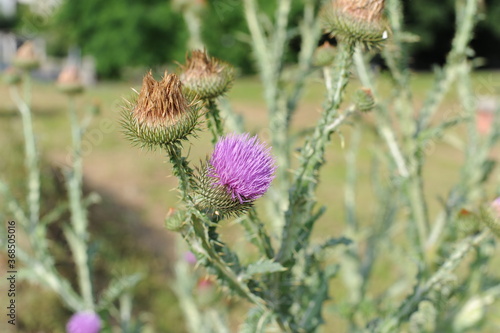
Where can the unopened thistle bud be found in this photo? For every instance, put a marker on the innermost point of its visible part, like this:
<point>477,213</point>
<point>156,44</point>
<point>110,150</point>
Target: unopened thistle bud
<point>162,114</point>
<point>324,55</point>
<point>356,21</point>
<point>26,57</point>
<point>239,171</point>
<point>205,76</point>
<point>69,81</point>
<point>364,100</point>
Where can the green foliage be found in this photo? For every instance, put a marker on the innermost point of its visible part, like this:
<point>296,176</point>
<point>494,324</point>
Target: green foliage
<point>123,33</point>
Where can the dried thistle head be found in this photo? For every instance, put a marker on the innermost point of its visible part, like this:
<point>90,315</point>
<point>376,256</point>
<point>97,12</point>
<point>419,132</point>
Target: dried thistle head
<point>357,21</point>
<point>162,114</point>
<point>205,76</point>
<point>69,81</point>
<point>26,57</point>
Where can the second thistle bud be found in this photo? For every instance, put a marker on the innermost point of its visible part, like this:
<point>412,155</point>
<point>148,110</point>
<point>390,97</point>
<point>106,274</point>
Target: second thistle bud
<point>356,20</point>
<point>205,76</point>
<point>162,115</point>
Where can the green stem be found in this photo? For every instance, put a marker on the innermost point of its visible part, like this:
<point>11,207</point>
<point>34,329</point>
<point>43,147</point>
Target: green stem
<point>32,163</point>
<point>257,233</point>
<point>410,305</point>
<point>214,121</point>
<point>465,26</point>
<point>312,158</point>
<point>181,170</point>
<point>78,236</point>
<point>219,264</point>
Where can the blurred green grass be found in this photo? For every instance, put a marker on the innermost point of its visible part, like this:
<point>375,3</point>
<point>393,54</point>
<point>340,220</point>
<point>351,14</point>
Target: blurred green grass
<point>140,182</point>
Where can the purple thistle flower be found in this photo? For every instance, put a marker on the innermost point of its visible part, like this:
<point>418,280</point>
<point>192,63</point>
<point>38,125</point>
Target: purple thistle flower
<point>243,166</point>
<point>84,322</point>
<point>189,257</point>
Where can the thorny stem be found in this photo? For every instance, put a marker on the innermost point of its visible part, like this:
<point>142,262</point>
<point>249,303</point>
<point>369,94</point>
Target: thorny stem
<point>214,121</point>
<point>78,237</point>
<point>257,233</point>
<point>41,264</point>
<point>313,152</point>
<point>410,305</point>
<point>454,66</point>
<point>181,169</point>
<point>222,267</point>
<point>32,163</point>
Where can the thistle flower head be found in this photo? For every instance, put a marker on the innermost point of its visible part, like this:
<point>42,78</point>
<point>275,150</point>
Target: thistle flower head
<point>205,76</point>
<point>84,322</point>
<point>356,20</point>
<point>26,57</point>
<point>162,114</point>
<point>69,81</point>
<point>239,171</point>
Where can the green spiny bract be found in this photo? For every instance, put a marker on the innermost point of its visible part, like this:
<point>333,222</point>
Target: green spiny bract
<point>161,115</point>
<point>363,99</point>
<point>215,199</point>
<point>356,21</point>
<point>206,77</point>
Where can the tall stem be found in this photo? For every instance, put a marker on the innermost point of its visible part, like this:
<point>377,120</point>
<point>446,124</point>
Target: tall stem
<point>181,170</point>
<point>214,121</point>
<point>32,163</point>
<point>78,236</point>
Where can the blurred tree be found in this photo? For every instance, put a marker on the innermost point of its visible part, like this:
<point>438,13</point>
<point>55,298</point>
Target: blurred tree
<point>434,22</point>
<point>122,33</point>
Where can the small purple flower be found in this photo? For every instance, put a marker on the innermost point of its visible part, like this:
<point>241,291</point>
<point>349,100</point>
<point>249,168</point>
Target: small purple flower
<point>496,206</point>
<point>243,166</point>
<point>84,322</point>
<point>190,257</point>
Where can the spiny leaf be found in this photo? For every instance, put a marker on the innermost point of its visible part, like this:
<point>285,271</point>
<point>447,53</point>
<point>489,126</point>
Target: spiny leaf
<point>256,321</point>
<point>264,266</point>
<point>117,288</point>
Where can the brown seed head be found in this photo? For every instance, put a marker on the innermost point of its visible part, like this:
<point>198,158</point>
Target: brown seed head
<point>160,103</point>
<point>206,77</point>
<point>199,64</point>
<point>363,10</point>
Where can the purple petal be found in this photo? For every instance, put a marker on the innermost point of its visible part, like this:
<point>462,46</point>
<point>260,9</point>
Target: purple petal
<point>84,322</point>
<point>243,165</point>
